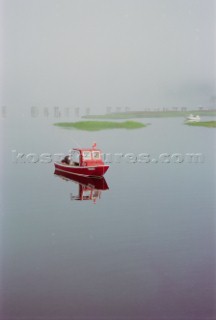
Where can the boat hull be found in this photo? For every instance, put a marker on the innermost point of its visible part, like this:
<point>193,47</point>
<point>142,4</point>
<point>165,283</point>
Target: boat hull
<point>85,171</point>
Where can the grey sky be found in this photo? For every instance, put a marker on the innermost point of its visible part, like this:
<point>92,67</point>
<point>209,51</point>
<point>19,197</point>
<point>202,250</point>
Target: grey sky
<point>98,53</point>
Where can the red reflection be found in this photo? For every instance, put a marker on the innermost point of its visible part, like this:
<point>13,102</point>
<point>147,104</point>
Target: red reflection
<point>89,188</point>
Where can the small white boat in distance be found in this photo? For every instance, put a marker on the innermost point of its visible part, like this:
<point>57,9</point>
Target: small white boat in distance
<point>193,118</point>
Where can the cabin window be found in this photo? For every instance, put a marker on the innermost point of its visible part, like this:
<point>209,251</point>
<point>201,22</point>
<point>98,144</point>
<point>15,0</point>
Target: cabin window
<point>96,155</point>
<point>86,155</point>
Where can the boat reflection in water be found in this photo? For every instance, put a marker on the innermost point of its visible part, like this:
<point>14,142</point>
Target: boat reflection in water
<point>89,188</point>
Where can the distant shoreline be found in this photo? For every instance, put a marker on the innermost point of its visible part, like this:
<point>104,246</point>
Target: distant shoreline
<point>151,114</point>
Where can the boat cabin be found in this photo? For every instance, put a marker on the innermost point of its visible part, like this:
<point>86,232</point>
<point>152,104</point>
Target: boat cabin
<point>86,157</point>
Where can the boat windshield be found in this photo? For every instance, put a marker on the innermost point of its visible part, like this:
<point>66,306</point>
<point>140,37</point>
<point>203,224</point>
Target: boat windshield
<point>75,157</point>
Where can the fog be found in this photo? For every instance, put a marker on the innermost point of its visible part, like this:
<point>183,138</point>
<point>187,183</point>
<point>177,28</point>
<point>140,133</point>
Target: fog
<point>99,53</point>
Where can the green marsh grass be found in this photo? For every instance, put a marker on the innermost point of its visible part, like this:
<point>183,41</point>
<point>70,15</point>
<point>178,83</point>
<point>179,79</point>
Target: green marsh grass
<point>208,124</point>
<point>100,125</point>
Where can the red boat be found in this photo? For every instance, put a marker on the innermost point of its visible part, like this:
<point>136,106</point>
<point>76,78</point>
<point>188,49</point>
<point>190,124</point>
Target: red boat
<point>83,162</point>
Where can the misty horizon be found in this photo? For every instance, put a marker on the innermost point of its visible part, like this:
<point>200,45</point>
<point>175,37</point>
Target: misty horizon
<point>96,54</point>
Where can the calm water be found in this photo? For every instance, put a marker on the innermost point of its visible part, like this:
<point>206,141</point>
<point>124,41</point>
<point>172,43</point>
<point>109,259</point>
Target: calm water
<point>145,250</point>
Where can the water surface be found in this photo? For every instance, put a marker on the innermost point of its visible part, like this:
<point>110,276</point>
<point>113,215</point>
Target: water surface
<point>145,250</point>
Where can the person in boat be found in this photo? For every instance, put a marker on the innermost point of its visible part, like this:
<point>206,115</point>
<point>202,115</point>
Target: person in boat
<point>66,160</point>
